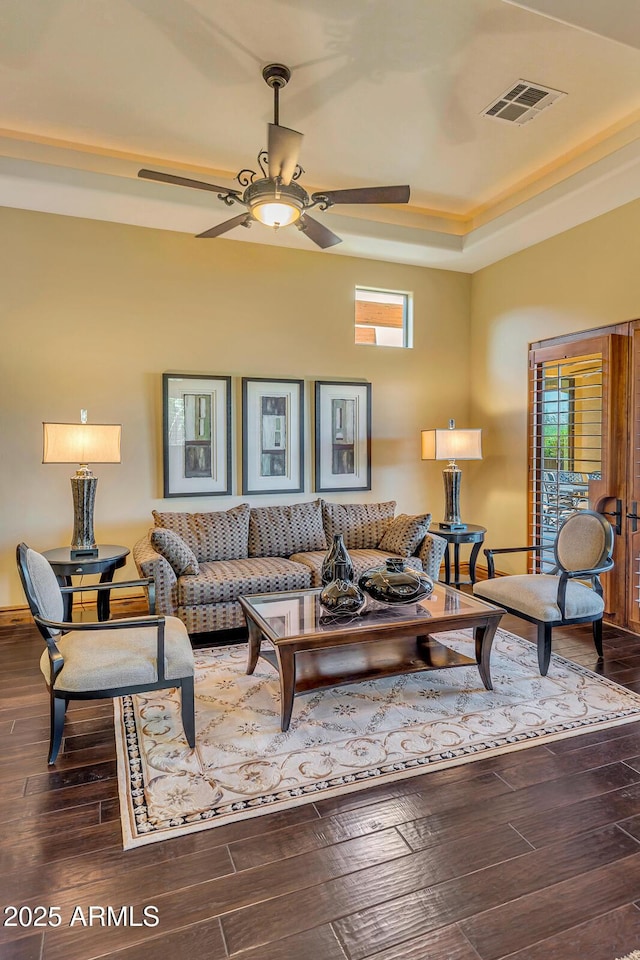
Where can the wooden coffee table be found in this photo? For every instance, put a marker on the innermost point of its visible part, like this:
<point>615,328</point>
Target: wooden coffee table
<point>312,649</point>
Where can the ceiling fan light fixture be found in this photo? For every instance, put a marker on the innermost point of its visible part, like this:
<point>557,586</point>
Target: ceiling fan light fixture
<point>276,213</point>
<point>275,204</point>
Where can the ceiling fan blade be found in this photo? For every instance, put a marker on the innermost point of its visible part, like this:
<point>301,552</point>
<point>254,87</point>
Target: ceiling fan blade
<point>317,232</point>
<point>365,195</point>
<point>183,181</point>
<point>283,149</point>
<point>244,219</point>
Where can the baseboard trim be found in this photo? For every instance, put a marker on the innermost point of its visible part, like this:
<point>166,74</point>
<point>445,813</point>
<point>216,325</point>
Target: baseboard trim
<point>482,573</point>
<point>120,607</point>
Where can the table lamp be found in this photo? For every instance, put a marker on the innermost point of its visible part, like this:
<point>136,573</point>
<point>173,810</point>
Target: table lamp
<point>452,445</point>
<point>82,443</point>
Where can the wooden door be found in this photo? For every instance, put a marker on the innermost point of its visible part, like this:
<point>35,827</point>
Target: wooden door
<point>631,523</point>
<point>578,444</point>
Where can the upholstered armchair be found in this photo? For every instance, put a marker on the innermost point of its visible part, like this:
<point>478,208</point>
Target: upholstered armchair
<point>92,660</point>
<point>571,593</point>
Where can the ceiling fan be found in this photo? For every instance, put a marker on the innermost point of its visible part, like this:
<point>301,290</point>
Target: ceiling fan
<point>275,198</point>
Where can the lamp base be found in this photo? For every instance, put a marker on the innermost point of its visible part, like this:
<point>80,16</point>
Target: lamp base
<point>452,476</point>
<point>84,496</point>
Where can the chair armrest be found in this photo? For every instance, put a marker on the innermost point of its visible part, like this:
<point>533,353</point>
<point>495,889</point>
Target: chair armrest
<point>569,574</point>
<point>115,585</point>
<point>147,582</point>
<point>67,625</point>
<point>536,548</point>
<point>489,554</point>
<point>55,658</point>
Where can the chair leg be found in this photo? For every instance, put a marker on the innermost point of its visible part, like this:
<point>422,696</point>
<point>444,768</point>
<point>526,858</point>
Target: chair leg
<point>544,647</point>
<point>597,637</point>
<point>58,710</point>
<point>188,710</point>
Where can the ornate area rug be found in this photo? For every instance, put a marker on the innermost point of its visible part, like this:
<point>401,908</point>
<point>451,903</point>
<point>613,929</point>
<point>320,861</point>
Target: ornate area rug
<point>342,739</point>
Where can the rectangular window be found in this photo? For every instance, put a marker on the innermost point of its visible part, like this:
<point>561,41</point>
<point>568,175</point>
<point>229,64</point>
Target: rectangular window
<point>383,317</point>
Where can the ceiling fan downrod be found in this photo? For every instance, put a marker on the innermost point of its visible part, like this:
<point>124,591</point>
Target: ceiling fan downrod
<point>276,76</point>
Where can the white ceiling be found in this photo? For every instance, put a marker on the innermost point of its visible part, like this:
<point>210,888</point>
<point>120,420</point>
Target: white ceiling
<point>384,91</point>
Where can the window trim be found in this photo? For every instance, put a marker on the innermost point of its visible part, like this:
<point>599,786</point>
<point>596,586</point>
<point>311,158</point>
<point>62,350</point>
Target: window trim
<point>407,315</point>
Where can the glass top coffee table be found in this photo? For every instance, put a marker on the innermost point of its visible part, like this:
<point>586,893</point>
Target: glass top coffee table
<point>312,649</point>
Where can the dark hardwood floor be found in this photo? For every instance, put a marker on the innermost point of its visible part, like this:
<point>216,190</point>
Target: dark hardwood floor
<point>534,855</point>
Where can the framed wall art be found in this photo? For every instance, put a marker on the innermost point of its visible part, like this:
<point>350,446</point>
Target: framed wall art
<point>272,436</point>
<point>196,416</point>
<point>342,436</point>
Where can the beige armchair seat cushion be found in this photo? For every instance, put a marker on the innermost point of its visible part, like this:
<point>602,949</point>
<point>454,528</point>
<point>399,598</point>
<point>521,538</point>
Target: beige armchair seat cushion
<point>223,580</point>
<point>535,595</point>
<point>102,660</point>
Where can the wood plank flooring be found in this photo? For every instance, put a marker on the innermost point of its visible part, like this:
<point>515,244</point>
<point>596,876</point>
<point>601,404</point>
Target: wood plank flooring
<point>534,855</point>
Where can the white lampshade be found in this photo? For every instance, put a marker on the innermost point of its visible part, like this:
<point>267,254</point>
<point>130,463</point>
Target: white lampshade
<point>452,444</point>
<point>81,442</point>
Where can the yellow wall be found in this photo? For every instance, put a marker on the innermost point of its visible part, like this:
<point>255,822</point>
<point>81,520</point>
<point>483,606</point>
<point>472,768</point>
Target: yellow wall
<point>584,278</point>
<point>93,313</point>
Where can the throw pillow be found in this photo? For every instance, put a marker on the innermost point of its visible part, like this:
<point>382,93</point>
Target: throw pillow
<point>173,548</point>
<point>285,530</point>
<point>362,525</point>
<point>222,535</point>
<point>404,534</point>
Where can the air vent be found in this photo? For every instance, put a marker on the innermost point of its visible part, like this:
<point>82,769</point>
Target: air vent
<point>522,102</point>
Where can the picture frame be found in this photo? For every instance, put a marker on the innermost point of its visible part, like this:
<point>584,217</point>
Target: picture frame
<point>286,616</point>
<point>342,436</point>
<point>272,436</point>
<point>196,431</point>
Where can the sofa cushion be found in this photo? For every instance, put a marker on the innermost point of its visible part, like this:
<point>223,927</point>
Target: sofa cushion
<point>362,560</point>
<point>172,547</point>
<point>405,534</point>
<point>220,535</point>
<point>224,580</point>
<point>362,525</point>
<point>283,530</point>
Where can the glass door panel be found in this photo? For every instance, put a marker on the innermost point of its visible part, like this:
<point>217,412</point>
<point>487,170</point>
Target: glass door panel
<point>567,442</point>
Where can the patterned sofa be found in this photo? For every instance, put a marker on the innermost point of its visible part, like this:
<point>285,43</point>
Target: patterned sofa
<point>202,562</point>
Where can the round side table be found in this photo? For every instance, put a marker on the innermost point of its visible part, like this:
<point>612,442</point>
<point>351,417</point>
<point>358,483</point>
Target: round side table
<point>473,534</point>
<point>109,558</point>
